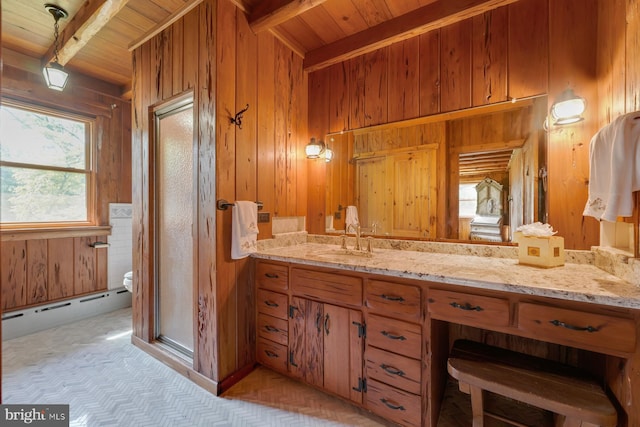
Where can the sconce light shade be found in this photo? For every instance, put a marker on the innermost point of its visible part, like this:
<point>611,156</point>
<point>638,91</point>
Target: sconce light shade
<point>568,108</point>
<point>328,154</point>
<point>314,148</point>
<point>55,76</point>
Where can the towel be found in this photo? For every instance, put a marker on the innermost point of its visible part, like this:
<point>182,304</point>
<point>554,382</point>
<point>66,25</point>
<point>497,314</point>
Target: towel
<point>351,217</point>
<point>614,157</point>
<point>244,229</point>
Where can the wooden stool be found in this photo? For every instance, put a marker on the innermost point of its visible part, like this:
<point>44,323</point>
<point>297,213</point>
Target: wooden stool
<point>552,386</point>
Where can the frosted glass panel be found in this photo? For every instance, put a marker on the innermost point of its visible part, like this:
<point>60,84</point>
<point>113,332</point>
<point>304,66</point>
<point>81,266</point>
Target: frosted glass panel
<point>175,197</point>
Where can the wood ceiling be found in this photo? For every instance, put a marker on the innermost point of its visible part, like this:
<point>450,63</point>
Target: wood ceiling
<point>97,37</point>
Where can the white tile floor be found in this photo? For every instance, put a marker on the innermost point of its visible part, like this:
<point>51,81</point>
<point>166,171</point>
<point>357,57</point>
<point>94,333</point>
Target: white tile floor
<point>92,366</point>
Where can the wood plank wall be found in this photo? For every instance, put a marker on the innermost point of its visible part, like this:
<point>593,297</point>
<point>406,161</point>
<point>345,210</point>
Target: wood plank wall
<point>530,47</point>
<point>212,52</point>
<point>41,269</point>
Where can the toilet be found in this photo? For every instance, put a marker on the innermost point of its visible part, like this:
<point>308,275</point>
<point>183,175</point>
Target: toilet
<point>128,281</point>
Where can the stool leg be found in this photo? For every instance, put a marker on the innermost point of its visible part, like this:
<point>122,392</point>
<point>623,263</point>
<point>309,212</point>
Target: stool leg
<point>563,421</point>
<point>477,405</point>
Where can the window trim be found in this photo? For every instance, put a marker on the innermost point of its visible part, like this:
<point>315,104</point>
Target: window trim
<point>90,173</point>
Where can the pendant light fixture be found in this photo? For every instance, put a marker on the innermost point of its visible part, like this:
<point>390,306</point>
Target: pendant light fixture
<point>54,74</point>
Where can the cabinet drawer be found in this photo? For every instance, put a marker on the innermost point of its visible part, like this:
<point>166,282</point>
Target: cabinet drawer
<point>272,303</point>
<point>328,287</point>
<point>393,369</point>
<point>468,309</point>
<point>273,329</point>
<point>580,329</point>
<point>393,404</point>
<point>393,299</point>
<point>272,355</point>
<point>272,276</point>
<point>395,335</point>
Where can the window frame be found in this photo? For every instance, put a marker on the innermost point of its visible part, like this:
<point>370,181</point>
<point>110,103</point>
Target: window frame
<point>90,171</point>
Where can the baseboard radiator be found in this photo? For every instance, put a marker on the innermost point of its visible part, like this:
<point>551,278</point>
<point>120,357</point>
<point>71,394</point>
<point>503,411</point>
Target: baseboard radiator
<point>38,318</point>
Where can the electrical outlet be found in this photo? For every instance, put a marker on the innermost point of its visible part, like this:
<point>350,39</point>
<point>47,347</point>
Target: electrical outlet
<point>263,217</point>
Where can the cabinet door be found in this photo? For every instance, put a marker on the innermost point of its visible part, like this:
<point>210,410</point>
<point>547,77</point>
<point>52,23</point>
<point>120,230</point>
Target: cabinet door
<point>305,340</point>
<point>343,352</point>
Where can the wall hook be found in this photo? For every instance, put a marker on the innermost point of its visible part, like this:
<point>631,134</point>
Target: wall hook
<point>237,120</point>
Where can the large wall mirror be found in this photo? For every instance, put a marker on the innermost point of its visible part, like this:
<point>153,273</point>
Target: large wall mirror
<point>471,175</point>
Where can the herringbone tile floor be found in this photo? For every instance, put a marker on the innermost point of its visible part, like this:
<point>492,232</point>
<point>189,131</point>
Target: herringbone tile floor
<point>92,366</point>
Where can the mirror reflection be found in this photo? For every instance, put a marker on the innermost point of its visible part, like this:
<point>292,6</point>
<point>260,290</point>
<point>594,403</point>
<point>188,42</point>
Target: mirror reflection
<point>472,175</point>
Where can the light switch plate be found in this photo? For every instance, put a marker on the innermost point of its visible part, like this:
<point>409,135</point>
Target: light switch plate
<point>263,217</point>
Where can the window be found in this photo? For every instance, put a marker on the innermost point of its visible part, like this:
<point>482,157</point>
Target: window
<point>468,200</point>
<point>45,166</point>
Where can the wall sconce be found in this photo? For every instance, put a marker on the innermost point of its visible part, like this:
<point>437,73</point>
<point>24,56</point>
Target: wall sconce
<point>314,148</point>
<point>568,108</point>
<point>54,74</point>
<point>328,154</point>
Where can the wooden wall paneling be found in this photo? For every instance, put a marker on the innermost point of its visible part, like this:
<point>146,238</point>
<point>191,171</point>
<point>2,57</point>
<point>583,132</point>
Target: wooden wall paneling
<point>125,188</point>
<point>572,63</point>
<point>318,114</point>
<point>212,249</point>
<point>37,274</point>
<point>339,96</point>
<point>288,92</point>
<point>455,57</point>
<point>266,131</point>
<point>489,57</point>
<point>225,97</point>
<point>300,134</point>
<point>105,161</point>
<point>13,260</point>
<point>429,56</point>
<point>60,271</point>
<point>136,195</point>
<point>281,116</point>
<point>84,277</point>
<point>454,135</point>
<point>190,50</point>
<point>166,39</point>
<point>102,257</point>
<point>404,80</point>
<point>177,57</point>
<point>528,48</point>
<point>146,202</point>
<point>611,66</point>
<point>356,92</point>
<point>376,87</point>
<point>437,133</point>
<point>632,71</point>
<point>246,179</point>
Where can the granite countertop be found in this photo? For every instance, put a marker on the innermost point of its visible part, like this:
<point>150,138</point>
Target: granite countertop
<point>576,282</point>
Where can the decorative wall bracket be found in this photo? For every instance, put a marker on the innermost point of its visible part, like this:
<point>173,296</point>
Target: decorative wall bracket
<point>237,120</point>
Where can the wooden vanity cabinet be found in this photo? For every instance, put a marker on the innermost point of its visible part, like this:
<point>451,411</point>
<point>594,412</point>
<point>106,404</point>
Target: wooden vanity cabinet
<point>393,353</point>
<point>326,347</point>
<point>272,315</point>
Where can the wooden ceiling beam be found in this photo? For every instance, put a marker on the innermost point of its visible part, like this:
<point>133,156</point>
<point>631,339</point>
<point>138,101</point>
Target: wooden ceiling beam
<point>269,14</point>
<point>90,18</point>
<point>430,17</point>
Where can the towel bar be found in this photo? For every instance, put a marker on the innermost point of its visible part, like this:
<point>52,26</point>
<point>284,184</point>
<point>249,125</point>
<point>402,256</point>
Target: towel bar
<point>223,205</point>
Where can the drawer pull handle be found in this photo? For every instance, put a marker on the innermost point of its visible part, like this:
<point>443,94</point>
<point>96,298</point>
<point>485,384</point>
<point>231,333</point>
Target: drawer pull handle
<point>392,406</point>
<point>392,370</point>
<point>318,318</point>
<point>271,303</point>
<point>326,324</point>
<point>466,306</point>
<point>573,327</point>
<point>271,328</point>
<point>392,336</point>
<point>271,354</point>
<point>392,298</point>
<point>271,275</point>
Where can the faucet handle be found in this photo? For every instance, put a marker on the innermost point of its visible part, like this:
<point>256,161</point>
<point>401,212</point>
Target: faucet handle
<point>370,244</point>
<point>344,241</point>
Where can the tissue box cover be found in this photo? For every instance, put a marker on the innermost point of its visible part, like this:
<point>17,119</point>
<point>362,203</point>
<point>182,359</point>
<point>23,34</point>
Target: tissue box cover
<point>540,251</point>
